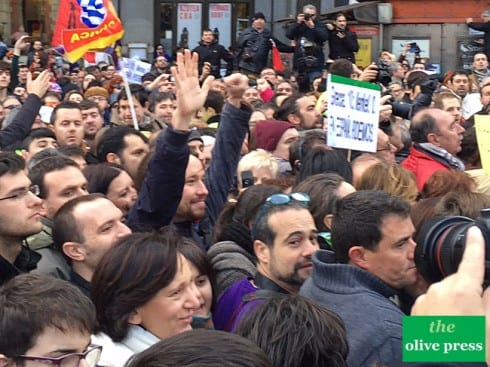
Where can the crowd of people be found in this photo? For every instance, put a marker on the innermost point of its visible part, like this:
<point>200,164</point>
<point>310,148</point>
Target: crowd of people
<point>215,226</point>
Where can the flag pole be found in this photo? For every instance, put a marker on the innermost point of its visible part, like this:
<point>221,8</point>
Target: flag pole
<point>130,100</point>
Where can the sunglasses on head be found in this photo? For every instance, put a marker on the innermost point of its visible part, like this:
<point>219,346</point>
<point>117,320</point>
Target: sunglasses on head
<point>280,199</point>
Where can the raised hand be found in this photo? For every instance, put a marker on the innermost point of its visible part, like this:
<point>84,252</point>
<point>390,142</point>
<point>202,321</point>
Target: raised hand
<point>190,95</point>
<point>40,85</point>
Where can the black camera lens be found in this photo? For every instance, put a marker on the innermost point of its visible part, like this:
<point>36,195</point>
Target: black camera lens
<point>307,16</point>
<point>441,242</point>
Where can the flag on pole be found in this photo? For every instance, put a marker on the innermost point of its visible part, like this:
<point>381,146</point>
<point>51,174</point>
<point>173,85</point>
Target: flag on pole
<point>84,25</point>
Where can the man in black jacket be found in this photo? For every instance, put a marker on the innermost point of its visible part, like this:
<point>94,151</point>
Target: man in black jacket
<point>309,35</point>
<point>342,42</point>
<point>253,47</point>
<point>210,51</point>
<point>484,27</point>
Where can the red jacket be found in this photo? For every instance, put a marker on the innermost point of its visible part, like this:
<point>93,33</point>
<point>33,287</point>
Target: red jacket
<point>422,165</point>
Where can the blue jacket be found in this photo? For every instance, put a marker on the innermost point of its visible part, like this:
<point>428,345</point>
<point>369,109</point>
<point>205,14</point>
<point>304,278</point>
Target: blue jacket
<point>372,321</point>
<point>162,188</point>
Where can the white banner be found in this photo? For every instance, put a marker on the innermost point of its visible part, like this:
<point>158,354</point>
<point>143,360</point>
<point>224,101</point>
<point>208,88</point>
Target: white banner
<point>353,114</point>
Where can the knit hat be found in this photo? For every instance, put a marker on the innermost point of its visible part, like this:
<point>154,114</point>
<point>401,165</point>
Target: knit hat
<point>258,15</point>
<point>269,132</point>
<point>96,91</point>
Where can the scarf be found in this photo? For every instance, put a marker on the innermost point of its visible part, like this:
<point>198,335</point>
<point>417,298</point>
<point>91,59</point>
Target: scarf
<point>442,154</point>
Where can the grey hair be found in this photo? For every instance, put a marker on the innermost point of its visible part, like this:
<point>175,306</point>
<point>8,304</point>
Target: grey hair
<point>309,6</point>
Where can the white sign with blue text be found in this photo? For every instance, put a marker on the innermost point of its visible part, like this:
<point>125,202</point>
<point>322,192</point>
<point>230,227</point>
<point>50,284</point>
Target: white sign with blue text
<point>353,114</point>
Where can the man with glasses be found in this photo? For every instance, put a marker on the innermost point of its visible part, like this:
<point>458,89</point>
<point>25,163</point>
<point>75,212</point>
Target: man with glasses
<point>20,216</point>
<point>284,239</point>
<point>46,322</point>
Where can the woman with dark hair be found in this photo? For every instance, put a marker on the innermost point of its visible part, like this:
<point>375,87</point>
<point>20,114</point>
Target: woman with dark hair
<point>203,277</point>
<point>203,348</point>
<point>325,190</point>
<point>232,256</point>
<point>321,160</point>
<point>143,291</point>
<point>113,182</point>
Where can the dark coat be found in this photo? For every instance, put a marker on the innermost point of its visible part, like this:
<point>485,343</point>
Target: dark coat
<point>316,36</point>
<point>343,47</point>
<point>214,53</point>
<point>483,27</point>
<point>253,49</point>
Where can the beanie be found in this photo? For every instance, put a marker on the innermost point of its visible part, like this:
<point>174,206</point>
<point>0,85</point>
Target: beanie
<point>269,132</point>
<point>96,91</point>
<point>258,15</point>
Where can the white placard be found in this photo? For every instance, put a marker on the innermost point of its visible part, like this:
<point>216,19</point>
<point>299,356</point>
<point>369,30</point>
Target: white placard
<point>189,16</point>
<point>134,69</point>
<point>220,17</point>
<point>353,114</point>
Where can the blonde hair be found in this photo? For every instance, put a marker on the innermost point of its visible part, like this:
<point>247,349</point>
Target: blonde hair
<point>257,159</point>
<point>394,180</point>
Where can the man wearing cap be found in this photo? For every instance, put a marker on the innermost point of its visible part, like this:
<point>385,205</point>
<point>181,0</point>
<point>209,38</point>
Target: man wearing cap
<point>253,47</point>
<point>100,96</point>
<point>484,27</point>
<point>276,137</point>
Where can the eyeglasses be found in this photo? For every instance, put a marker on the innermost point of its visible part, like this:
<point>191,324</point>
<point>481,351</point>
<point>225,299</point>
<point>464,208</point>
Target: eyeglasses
<point>91,356</point>
<point>22,193</point>
<point>279,199</point>
<point>118,86</point>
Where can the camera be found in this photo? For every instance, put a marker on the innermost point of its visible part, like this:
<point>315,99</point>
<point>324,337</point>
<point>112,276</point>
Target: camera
<point>247,179</point>
<point>441,242</point>
<point>307,16</point>
<point>384,73</point>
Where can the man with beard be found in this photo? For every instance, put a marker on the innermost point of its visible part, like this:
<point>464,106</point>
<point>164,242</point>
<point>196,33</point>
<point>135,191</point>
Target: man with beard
<point>300,111</point>
<point>459,84</point>
<point>342,42</point>
<point>92,121</point>
<point>284,239</point>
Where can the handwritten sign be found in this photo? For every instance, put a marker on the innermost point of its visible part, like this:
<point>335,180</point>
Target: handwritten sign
<point>482,126</point>
<point>134,69</point>
<point>353,113</point>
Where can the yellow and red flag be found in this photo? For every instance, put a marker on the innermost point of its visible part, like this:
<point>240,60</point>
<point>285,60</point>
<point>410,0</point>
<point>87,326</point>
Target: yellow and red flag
<point>84,25</point>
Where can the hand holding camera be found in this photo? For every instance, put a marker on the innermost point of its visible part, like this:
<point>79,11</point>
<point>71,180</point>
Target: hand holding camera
<point>306,19</point>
